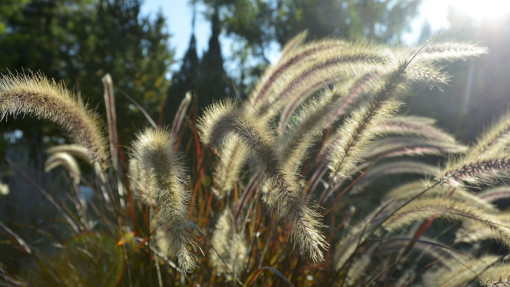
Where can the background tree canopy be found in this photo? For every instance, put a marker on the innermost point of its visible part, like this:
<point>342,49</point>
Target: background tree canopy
<point>78,42</point>
<point>256,24</point>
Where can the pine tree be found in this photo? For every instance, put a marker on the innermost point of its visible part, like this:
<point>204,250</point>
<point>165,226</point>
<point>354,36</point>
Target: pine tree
<point>185,80</point>
<point>213,83</point>
<point>206,77</point>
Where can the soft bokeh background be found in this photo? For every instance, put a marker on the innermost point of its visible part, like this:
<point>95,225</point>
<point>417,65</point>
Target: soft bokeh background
<point>156,51</point>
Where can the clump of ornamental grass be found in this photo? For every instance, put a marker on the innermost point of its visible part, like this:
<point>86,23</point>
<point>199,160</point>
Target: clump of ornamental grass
<point>369,105</point>
<point>321,129</point>
<point>452,197</point>
<point>284,198</point>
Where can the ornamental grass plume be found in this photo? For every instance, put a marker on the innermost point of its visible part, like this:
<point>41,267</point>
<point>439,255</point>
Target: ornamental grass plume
<point>487,161</point>
<point>292,56</point>
<point>459,273</point>
<point>409,190</point>
<point>305,131</point>
<point>497,275</point>
<point>414,126</point>
<point>476,172</point>
<point>37,96</point>
<point>304,80</point>
<point>230,252</point>
<point>451,209</point>
<point>230,166</point>
<point>160,180</point>
<point>66,160</point>
<point>496,193</point>
<point>382,101</point>
<point>75,150</point>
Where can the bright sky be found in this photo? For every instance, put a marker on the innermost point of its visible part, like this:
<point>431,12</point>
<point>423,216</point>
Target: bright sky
<point>435,12</point>
<point>179,13</point>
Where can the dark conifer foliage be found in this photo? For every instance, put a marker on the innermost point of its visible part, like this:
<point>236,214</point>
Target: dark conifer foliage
<point>213,83</point>
<point>79,41</point>
<point>205,78</point>
<point>183,81</point>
